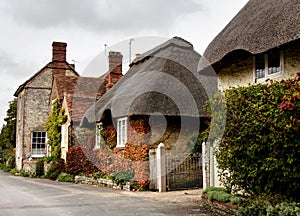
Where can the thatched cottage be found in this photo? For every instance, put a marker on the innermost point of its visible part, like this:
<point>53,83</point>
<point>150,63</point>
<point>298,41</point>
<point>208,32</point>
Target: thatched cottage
<point>262,42</point>
<point>160,99</point>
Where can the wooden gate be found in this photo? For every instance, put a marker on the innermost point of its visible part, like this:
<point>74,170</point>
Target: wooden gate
<point>184,171</point>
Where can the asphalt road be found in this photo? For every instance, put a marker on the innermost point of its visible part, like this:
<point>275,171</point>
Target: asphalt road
<point>27,196</point>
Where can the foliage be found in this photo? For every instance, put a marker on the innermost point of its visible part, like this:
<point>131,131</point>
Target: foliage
<point>65,177</point>
<point>48,159</point>
<point>77,162</point>
<point>259,151</point>
<point>8,132</point>
<point>196,143</point>
<point>11,162</point>
<point>39,169</point>
<point>55,169</point>
<point>123,177</point>
<point>221,194</point>
<point>24,173</point>
<point>53,128</point>
<point>212,188</point>
<point>109,135</point>
<point>97,175</point>
<point>267,208</point>
<point>4,168</point>
<point>14,171</point>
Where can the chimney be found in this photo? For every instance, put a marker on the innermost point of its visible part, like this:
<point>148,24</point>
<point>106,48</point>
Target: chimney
<point>115,62</point>
<point>114,68</point>
<point>59,50</point>
<point>72,66</point>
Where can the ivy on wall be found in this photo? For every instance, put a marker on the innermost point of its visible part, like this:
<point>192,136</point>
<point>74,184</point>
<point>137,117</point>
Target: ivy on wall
<point>53,128</point>
<point>260,147</point>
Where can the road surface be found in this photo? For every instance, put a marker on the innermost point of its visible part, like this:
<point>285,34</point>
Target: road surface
<point>28,196</point>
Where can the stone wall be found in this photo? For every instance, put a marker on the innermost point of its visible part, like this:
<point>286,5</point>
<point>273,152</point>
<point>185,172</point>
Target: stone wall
<point>238,74</point>
<point>102,183</point>
<point>29,166</point>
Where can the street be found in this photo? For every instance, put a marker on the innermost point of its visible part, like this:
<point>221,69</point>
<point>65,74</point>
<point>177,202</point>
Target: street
<point>30,196</point>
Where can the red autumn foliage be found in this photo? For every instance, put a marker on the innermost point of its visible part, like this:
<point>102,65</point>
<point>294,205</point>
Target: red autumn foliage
<point>77,162</point>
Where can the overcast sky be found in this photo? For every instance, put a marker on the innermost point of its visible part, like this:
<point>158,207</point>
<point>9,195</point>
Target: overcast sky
<point>29,27</point>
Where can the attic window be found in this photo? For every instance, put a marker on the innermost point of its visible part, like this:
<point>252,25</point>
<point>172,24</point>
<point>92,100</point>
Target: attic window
<point>121,132</point>
<point>269,65</point>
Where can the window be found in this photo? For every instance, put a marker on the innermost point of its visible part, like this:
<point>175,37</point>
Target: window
<point>268,65</point>
<point>38,143</point>
<point>121,132</point>
<point>98,135</point>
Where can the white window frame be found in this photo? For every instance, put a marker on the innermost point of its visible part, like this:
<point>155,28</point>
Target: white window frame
<point>38,152</point>
<point>121,132</point>
<point>99,127</point>
<point>268,76</point>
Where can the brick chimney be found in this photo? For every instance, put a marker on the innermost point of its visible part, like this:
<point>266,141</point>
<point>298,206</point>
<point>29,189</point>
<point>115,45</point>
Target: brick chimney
<point>114,68</point>
<point>115,62</point>
<point>59,50</point>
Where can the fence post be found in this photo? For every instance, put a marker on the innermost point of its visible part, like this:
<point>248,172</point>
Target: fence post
<point>153,169</point>
<point>161,168</point>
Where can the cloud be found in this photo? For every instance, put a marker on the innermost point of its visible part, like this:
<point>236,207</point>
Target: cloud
<point>101,16</point>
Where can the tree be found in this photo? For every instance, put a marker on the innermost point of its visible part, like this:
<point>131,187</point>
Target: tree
<point>53,128</point>
<point>8,131</point>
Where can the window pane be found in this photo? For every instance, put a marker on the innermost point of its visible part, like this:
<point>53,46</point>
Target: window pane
<point>260,66</point>
<point>274,61</point>
<point>38,142</point>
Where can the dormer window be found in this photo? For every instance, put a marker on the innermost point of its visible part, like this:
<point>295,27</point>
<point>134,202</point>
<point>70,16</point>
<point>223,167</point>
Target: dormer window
<point>269,65</point>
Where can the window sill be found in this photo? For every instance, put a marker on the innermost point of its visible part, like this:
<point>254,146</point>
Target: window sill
<point>269,77</point>
<point>37,156</point>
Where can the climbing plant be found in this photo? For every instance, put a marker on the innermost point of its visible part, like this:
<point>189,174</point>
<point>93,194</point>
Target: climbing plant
<point>260,145</point>
<point>53,127</point>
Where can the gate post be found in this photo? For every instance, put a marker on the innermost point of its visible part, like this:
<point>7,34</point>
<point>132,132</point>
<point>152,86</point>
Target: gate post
<point>161,168</point>
<point>153,169</point>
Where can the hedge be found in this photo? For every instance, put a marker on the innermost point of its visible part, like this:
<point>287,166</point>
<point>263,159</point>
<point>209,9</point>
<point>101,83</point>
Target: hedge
<point>259,150</point>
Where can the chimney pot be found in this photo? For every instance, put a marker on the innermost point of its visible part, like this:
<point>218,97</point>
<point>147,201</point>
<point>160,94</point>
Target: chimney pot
<point>59,50</point>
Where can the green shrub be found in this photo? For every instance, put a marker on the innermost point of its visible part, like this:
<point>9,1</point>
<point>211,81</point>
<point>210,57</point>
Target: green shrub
<point>50,158</point>
<point>219,196</point>
<point>235,200</point>
<point>259,149</point>
<point>24,173</point>
<point>5,168</point>
<point>65,177</point>
<point>123,177</point>
<point>97,175</point>
<point>266,208</point>
<point>39,169</point>
<point>55,169</point>
<point>212,188</point>
<point>14,171</point>
<point>11,162</point>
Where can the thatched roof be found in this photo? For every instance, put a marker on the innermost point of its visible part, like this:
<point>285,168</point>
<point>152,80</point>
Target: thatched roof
<point>258,27</point>
<point>163,80</point>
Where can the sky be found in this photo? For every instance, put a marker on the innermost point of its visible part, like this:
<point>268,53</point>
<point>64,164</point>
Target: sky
<point>29,27</point>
